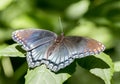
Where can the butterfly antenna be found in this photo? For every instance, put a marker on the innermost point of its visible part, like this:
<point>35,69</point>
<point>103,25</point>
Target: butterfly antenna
<point>61,26</point>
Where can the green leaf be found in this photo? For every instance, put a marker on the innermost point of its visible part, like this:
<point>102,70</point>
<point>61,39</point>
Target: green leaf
<point>91,62</point>
<point>78,9</point>
<point>117,66</point>
<point>41,75</point>
<point>4,4</point>
<point>105,74</point>
<point>23,21</point>
<point>11,51</point>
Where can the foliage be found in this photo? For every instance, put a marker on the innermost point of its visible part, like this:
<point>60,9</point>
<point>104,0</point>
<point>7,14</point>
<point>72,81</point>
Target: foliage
<point>11,51</point>
<point>40,74</point>
<point>98,19</point>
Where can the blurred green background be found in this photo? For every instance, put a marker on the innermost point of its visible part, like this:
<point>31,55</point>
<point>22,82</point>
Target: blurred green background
<point>98,19</point>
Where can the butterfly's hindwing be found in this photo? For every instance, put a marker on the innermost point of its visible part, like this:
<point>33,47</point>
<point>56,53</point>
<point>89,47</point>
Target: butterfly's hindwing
<point>38,54</point>
<point>60,57</point>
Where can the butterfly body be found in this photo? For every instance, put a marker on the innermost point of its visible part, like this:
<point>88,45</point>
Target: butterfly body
<point>45,47</point>
<point>56,44</point>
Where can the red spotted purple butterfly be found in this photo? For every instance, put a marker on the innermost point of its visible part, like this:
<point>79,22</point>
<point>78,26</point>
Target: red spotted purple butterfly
<point>56,52</point>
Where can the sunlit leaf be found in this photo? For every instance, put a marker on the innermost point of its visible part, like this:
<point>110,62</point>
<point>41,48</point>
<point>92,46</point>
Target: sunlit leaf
<point>117,66</point>
<point>11,51</point>
<point>105,74</point>
<point>77,9</point>
<point>4,4</point>
<point>23,21</point>
<point>41,75</point>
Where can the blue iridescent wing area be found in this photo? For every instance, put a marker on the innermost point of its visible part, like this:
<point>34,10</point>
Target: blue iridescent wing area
<point>73,47</point>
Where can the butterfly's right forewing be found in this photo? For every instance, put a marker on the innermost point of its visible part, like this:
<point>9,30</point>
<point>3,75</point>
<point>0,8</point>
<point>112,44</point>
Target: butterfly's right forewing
<point>84,46</point>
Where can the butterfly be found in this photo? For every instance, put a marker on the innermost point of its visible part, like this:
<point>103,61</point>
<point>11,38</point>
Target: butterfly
<point>56,52</point>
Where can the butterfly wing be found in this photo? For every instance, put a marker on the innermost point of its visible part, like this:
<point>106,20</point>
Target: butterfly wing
<point>84,46</point>
<point>35,42</point>
<point>60,58</point>
<point>38,42</point>
<point>32,38</point>
<point>38,56</point>
<point>73,47</point>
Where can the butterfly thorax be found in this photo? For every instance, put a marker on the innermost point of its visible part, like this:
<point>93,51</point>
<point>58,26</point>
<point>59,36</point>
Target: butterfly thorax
<point>59,39</point>
<point>56,44</point>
